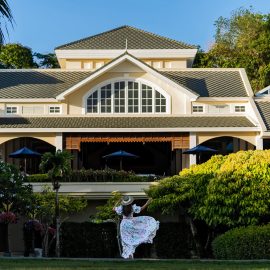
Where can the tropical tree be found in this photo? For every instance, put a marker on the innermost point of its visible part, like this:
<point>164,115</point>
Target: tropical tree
<point>15,196</point>
<point>42,213</point>
<point>47,60</point>
<point>225,192</point>
<point>16,56</point>
<point>241,41</point>
<point>58,166</point>
<point>5,16</point>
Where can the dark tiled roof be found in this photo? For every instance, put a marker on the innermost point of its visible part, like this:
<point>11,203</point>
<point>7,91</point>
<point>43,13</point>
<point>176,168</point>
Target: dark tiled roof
<point>210,83</point>
<point>125,122</point>
<point>37,84</point>
<point>115,39</point>
<point>264,109</point>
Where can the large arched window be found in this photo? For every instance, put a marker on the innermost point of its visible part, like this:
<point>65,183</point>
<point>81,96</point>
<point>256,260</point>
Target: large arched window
<point>127,96</point>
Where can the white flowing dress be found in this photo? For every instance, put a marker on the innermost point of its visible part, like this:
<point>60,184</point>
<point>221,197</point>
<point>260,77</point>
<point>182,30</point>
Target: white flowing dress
<point>135,230</point>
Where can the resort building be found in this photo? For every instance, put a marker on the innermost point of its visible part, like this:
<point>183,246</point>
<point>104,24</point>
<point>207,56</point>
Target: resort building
<point>128,89</point>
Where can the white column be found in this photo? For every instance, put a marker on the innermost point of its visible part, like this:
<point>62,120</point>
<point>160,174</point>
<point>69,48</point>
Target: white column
<point>59,141</point>
<point>192,143</point>
<point>259,142</point>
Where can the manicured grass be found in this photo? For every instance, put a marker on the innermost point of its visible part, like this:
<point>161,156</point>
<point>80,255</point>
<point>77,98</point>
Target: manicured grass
<point>42,264</point>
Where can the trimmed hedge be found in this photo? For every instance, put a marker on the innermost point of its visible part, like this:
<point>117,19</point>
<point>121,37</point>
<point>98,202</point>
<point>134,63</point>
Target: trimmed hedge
<point>99,241</point>
<point>96,176</point>
<point>88,240</point>
<point>173,241</point>
<point>244,243</point>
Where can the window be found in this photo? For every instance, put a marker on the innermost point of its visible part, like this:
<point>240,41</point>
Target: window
<point>119,97</point>
<point>92,103</point>
<point>240,108</point>
<point>105,99</point>
<point>146,99</point>
<point>196,108</point>
<point>160,103</point>
<point>11,110</point>
<point>126,96</point>
<point>54,109</point>
<point>133,97</point>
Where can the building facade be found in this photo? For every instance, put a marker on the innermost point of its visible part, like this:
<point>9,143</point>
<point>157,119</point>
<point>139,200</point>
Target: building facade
<point>132,90</point>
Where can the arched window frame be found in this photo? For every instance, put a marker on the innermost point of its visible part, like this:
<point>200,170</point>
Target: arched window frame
<point>126,80</point>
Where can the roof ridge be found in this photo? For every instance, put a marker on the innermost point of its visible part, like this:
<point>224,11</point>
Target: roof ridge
<point>160,36</point>
<point>129,27</point>
<point>96,35</point>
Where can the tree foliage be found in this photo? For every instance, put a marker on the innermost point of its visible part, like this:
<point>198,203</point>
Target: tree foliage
<point>229,191</point>
<point>43,205</point>
<point>16,56</point>
<point>56,164</point>
<point>13,191</point>
<point>47,60</point>
<point>5,17</point>
<point>105,212</point>
<point>241,41</point>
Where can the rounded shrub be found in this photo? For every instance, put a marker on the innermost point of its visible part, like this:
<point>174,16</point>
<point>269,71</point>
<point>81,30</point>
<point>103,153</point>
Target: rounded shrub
<point>244,243</point>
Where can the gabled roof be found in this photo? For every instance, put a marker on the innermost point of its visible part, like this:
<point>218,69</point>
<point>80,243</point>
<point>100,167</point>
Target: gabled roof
<point>37,83</point>
<point>123,57</point>
<point>210,82</point>
<point>115,39</point>
<point>58,83</point>
<point>264,110</point>
<point>126,122</point>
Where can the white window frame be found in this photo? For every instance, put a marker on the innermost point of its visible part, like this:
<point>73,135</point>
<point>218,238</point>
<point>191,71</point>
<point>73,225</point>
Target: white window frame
<point>198,105</point>
<point>12,113</point>
<point>126,80</point>
<point>54,106</point>
<point>240,106</point>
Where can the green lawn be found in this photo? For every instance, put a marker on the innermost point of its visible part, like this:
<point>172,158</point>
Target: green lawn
<point>38,264</point>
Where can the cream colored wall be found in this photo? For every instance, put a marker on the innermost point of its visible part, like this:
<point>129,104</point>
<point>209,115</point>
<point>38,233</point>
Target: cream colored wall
<point>247,136</point>
<point>92,64</point>
<point>88,64</point>
<point>47,137</point>
<point>178,99</point>
<point>20,106</point>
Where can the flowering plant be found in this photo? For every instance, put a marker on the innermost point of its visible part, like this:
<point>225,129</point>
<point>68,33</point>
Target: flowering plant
<point>8,217</point>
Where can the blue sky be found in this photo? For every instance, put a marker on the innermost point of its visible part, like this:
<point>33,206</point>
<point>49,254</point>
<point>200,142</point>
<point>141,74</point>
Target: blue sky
<point>44,24</point>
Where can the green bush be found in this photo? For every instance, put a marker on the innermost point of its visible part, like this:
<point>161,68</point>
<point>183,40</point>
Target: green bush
<point>99,240</point>
<point>38,178</point>
<point>89,240</point>
<point>173,241</point>
<point>95,176</point>
<point>244,243</point>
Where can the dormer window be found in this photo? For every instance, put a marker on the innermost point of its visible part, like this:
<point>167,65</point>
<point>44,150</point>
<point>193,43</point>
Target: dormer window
<point>127,96</point>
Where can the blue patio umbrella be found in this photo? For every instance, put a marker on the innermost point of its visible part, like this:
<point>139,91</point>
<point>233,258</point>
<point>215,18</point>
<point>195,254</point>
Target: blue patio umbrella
<point>120,154</point>
<point>199,149</point>
<point>24,153</point>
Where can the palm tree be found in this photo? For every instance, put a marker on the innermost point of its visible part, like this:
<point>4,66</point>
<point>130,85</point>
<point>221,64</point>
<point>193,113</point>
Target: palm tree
<point>58,166</point>
<point>5,15</point>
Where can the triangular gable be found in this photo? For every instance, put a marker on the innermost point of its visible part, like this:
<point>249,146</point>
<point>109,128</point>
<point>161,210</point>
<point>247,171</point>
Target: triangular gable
<point>127,57</point>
